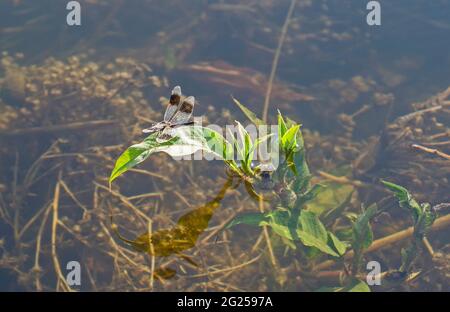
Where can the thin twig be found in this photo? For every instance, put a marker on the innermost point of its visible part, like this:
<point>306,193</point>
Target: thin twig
<point>341,180</point>
<point>72,195</point>
<point>15,204</point>
<point>276,59</point>
<point>428,246</point>
<point>119,249</point>
<point>147,195</point>
<point>31,221</point>
<point>36,267</point>
<point>124,200</point>
<point>152,253</point>
<point>431,151</point>
<point>60,277</point>
<point>258,242</point>
<point>402,120</point>
<point>439,224</point>
<point>152,174</point>
<point>75,126</point>
<point>442,143</point>
<point>267,238</point>
<point>227,269</point>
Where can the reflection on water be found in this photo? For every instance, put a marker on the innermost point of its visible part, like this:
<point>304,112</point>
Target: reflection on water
<point>184,235</point>
<point>71,100</point>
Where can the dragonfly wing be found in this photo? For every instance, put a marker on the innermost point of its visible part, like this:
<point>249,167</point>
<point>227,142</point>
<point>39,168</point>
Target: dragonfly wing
<point>184,112</point>
<point>154,128</point>
<point>174,102</point>
<point>166,135</point>
<point>148,130</point>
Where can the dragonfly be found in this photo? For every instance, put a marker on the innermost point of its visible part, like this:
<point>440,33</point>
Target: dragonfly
<point>178,113</point>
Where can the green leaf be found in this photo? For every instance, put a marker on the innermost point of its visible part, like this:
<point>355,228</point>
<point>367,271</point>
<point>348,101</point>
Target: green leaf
<point>313,233</point>
<point>422,214</point>
<point>329,289</point>
<point>279,221</point>
<point>331,215</point>
<point>310,232</point>
<point>356,286</point>
<point>260,140</point>
<point>205,139</point>
<point>282,128</point>
<point>310,223</point>
<point>405,199</point>
<point>303,175</point>
<point>425,221</point>
<point>332,196</point>
<point>362,231</point>
<point>248,219</point>
<point>288,145</point>
<point>309,240</point>
<point>136,154</point>
<point>248,113</point>
<point>344,233</point>
<point>288,140</point>
<point>242,138</point>
<point>309,195</point>
<point>244,145</point>
<point>187,141</point>
<point>423,217</point>
<point>338,245</point>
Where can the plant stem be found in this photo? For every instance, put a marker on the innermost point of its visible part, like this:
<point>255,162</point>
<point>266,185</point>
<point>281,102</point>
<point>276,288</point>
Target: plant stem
<point>60,277</point>
<point>439,224</point>
<point>276,59</point>
<point>74,126</point>
<point>431,151</point>
<point>267,238</point>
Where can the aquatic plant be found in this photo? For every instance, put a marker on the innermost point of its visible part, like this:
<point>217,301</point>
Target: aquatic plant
<point>423,216</point>
<point>82,223</point>
<point>301,225</point>
<point>291,179</point>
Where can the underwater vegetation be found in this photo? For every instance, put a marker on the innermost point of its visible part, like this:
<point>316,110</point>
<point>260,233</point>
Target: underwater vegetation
<point>289,216</point>
<point>363,178</point>
<point>318,225</point>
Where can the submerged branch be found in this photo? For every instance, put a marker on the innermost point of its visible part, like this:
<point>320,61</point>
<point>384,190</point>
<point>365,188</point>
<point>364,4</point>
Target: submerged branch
<point>431,151</point>
<point>60,277</point>
<point>439,224</point>
<point>276,59</point>
<point>75,126</point>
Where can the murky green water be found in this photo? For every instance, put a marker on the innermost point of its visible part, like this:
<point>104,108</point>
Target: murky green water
<point>72,98</point>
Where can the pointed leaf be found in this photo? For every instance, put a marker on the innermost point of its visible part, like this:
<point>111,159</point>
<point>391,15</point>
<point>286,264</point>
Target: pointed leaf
<point>136,154</point>
<point>249,219</point>
<point>186,141</point>
<point>356,286</point>
<point>249,114</point>
<point>310,223</point>
<point>337,244</point>
<point>362,231</point>
<point>405,199</point>
<point>282,128</point>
